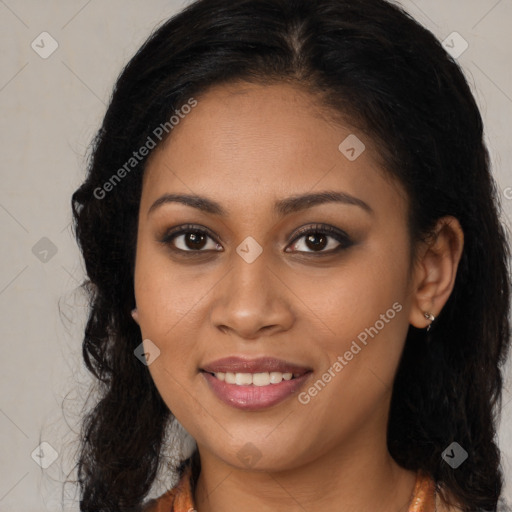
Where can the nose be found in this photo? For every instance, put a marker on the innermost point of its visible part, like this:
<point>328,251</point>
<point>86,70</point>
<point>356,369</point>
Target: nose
<point>252,300</point>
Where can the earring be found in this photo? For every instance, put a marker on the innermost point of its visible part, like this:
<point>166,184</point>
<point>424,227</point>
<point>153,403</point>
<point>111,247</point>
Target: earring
<point>431,317</point>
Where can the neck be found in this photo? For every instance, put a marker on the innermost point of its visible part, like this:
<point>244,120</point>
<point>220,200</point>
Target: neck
<point>357,476</point>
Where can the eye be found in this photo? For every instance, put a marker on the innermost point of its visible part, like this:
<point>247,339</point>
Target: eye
<point>193,239</point>
<point>190,239</point>
<point>317,239</point>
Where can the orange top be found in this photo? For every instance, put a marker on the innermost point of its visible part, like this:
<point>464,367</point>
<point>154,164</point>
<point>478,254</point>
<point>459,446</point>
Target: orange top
<point>180,498</point>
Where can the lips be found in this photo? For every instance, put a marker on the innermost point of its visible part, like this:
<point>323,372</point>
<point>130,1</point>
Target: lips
<point>254,384</point>
<point>259,365</point>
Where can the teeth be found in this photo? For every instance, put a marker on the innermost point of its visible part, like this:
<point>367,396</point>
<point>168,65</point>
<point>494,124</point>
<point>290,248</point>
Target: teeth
<point>256,379</point>
<point>243,379</point>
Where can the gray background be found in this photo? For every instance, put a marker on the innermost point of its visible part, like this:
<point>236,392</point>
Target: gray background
<point>51,108</point>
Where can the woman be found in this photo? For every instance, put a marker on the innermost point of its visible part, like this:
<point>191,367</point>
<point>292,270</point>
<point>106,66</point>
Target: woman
<point>293,246</point>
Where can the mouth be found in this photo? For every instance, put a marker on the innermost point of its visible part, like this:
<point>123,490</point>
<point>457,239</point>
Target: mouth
<point>254,384</point>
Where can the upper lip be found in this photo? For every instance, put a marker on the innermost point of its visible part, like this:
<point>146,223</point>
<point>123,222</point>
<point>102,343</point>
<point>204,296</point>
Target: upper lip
<point>262,364</point>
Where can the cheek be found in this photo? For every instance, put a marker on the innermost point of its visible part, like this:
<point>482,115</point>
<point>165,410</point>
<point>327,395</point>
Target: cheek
<point>359,356</point>
<point>165,296</point>
<point>166,291</point>
<point>352,296</point>
<point>364,304</point>
<point>168,301</point>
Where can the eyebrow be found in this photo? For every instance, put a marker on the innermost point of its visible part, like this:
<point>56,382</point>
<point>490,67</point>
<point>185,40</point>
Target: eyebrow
<point>282,207</point>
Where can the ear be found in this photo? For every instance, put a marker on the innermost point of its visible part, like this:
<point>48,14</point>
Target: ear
<point>435,270</point>
<point>135,315</point>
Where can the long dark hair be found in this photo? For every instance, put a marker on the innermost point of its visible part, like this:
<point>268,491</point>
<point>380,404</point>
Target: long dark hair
<point>371,64</point>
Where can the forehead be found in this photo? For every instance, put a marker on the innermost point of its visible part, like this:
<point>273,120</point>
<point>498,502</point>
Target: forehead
<point>245,142</point>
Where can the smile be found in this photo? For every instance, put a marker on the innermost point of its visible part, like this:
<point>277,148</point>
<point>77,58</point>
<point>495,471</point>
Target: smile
<point>254,379</point>
<point>254,391</point>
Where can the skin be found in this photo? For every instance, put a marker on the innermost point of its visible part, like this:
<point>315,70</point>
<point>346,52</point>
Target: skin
<point>246,146</point>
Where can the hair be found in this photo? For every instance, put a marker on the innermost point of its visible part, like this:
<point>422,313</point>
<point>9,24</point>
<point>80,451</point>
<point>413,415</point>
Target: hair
<point>371,64</point>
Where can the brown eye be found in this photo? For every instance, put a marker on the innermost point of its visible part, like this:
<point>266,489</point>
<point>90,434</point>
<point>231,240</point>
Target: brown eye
<point>318,238</point>
<point>194,240</point>
<point>190,239</point>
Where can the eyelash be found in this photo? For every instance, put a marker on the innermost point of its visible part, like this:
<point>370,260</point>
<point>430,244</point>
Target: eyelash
<point>322,229</point>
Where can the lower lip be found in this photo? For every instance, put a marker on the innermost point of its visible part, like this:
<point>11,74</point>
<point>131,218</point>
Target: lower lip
<point>254,398</point>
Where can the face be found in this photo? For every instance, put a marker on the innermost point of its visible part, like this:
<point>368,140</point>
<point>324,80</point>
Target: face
<point>255,270</point>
